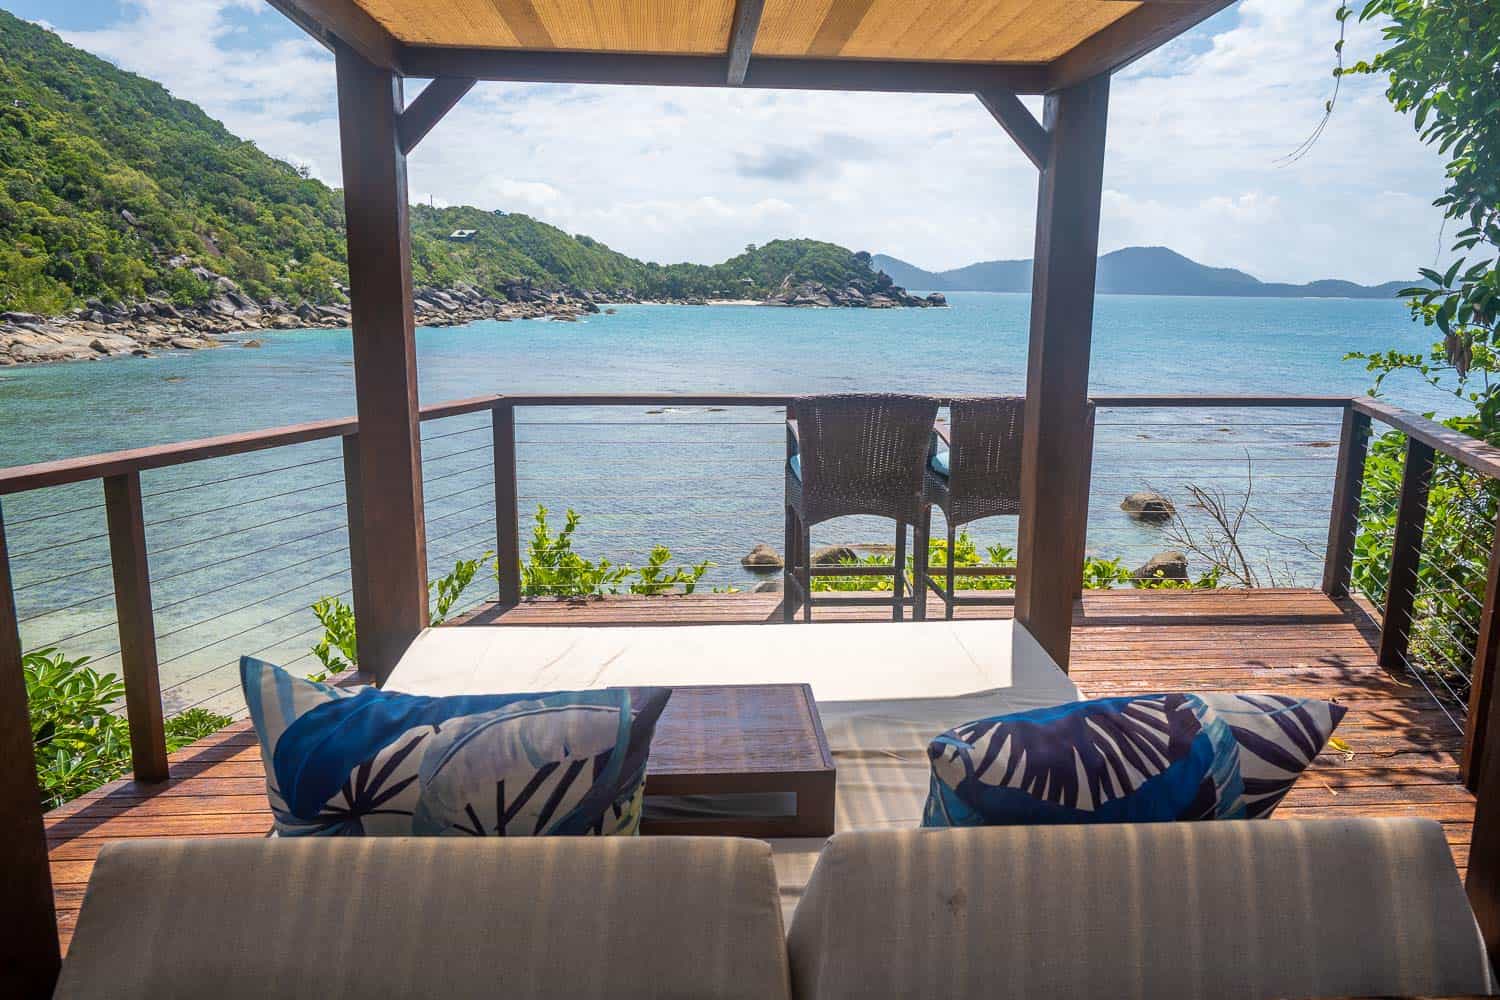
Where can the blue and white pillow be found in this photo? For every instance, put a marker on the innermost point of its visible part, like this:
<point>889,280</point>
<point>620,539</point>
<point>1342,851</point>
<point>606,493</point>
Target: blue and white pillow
<point>365,762</point>
<point>1144,759</point>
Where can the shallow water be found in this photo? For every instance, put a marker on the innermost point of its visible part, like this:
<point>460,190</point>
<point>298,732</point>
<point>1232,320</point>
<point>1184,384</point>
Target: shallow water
<point>241,546</point>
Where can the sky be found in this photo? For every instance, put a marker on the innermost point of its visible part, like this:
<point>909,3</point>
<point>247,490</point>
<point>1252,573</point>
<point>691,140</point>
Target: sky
<point>1198,137</point>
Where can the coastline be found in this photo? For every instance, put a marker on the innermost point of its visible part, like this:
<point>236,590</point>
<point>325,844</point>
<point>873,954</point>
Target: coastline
<point>144,329</point>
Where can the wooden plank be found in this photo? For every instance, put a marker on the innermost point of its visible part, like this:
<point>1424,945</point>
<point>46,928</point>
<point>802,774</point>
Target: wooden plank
<point>1406,554</point>
<point>742,39</point>
<point>332,21</point>
<point>385,372</point>
<point>361,585</point>
<point>1019,123</point>
<point>428,108</point>
<point>126,517</point>
<point>1482,679</point>
<point>507,505</point>
<point>1343,519</point>
<point>1126,40</point>
<point>1478,455</point>
<point>1055,461</point>
<point>29,951</point>
<point>770,72</point>
<point>19,478</point>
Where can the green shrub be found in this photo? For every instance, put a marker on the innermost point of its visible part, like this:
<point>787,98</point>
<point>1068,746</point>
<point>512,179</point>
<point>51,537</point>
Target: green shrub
<point>338,649</point>
<point>552,568</point>
<point>79,741</point>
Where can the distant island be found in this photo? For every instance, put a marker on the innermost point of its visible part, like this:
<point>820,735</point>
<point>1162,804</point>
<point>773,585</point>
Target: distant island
<point>1132,271</point>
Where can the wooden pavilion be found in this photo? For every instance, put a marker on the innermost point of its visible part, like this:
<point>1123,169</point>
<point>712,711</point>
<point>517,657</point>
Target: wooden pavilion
<point>997,50</point>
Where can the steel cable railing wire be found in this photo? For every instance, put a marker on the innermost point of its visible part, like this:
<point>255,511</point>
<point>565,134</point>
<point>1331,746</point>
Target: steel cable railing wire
<point>239,476</point>
<point>17,522</point>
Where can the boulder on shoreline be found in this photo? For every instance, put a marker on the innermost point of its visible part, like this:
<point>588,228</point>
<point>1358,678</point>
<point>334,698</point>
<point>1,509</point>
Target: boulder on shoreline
<point>1168,565</point>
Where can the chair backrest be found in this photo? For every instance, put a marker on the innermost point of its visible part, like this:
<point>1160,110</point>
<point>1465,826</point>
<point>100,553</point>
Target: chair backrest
<point>984,456</point>
<point>1228,910</point>
<point>364,917</point>
<point>864,454</point>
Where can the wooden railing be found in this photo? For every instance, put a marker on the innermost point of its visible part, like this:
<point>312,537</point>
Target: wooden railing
<point>120,475</point>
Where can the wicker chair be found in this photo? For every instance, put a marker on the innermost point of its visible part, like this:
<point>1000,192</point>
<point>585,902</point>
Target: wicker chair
<point>983,479</point>
<point>852,454</point>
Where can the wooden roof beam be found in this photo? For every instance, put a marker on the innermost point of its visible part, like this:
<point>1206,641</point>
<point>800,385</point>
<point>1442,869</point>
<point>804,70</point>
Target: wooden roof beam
<point>329,21</point>
<point>1147,27</point>
<point>429,107</point>
<point>742,38</point>
<point>765,72</point>
<point>1018,121</point>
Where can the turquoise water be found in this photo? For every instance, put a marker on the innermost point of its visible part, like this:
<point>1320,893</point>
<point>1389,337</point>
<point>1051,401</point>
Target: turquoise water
<point>241,546</point>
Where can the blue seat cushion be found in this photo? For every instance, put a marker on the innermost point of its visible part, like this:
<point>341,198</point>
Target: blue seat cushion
<point>1143,759</point>
<point>938,462</point>
<point>366,762</point>
<point>795,464</point>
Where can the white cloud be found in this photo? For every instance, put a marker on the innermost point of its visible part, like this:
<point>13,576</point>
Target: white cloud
<point>1197,139</point>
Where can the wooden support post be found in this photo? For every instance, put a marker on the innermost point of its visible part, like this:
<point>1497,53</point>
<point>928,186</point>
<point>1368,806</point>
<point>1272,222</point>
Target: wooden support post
<point>137,624</point>
<point>385,360</point>
<point>29,953</point>
<point>1055,454</point>
<point>507,505</point>
<point>1343,519</point>
<point>1406,555</point>
<point>359,565</point>
<point>1482,680</point>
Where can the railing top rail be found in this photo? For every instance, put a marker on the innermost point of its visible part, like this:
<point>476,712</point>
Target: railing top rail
<point>21,478</point>
<point>1205,402</point>
<point>1483,458</point>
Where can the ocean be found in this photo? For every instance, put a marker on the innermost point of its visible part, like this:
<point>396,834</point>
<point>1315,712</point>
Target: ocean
<point>240,547</point>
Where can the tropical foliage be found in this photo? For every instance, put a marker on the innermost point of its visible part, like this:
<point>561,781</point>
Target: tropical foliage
<point>1439,65</point>
<point>79,740</point>
<point>338,649</point>
<point>112,189</point>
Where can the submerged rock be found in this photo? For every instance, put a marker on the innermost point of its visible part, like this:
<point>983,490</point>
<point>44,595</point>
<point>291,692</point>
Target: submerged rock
<point>762,558</point>
<point>833,555</point>
<point>1148,506</point>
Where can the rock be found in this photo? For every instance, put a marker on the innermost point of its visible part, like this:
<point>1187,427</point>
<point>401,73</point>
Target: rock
<point>1168,565</point>
<point>252,343</point>
<point>833,555</point>
<point>1148,506</point>
<point>767,587</point>
<point>19,317</point>
<point>193,343</point>
<point>110,343</point>
<point>937,299</point>
<point>762,558</point>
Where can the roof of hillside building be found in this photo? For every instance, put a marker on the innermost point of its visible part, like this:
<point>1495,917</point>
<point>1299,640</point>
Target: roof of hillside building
<point>1028,46</point>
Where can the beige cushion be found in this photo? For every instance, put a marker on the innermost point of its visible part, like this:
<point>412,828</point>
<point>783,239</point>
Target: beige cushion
<point>439,917</point>
<point>1224,910</point>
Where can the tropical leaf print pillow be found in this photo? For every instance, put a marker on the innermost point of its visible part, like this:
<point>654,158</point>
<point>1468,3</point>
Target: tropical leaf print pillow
<point>1151,758</point>
<point>365,762</point>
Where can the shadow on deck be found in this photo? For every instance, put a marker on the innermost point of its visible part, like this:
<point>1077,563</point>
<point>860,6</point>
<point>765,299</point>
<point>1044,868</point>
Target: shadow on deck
<point>1402,759</point>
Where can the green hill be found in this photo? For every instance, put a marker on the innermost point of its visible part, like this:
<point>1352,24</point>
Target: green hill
<point>113,190</point>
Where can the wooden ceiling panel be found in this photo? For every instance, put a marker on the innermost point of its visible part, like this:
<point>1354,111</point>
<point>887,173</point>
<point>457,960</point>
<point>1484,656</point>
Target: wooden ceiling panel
<point>442,22</point>
<point>955,30</point>
<point>683,27</point>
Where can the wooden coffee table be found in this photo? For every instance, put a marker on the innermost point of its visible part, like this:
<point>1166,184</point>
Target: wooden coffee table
<point>732,740</point>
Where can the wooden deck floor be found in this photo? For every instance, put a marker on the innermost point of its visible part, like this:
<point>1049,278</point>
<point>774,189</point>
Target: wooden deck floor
<point>1404,750</point>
